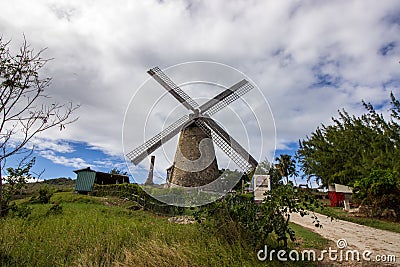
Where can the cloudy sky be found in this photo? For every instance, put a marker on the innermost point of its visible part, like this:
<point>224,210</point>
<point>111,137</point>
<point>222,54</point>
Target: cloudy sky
<point>308,58</point>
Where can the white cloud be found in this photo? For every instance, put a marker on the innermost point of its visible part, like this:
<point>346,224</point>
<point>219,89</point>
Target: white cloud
<point>62,160</point>
<point>60,146</point>
<point>291,49</point>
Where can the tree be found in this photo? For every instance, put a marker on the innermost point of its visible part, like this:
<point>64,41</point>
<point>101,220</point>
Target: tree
<point>16,179</point>
<point>25,109</point>
<point>118,171</point>
<point>286,166</point>
<point>379,191</point>
<point>352,147</point>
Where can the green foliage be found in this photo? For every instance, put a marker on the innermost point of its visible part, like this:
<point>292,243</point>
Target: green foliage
<point>309,239</point>
<point>44,196</point>
<point>21,211</point>
<point>352,147</point>
<point>286,166</point>
<point>135,193</point>
<point>118,171</point>
<point>55,209</point>
<point>16,179</point>
<point>380,190</point>
<point>257,223</point>
<point>339,213</point>
<point>93,234</point>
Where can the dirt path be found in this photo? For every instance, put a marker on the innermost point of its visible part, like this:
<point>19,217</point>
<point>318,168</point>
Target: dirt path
<point>359,237</point>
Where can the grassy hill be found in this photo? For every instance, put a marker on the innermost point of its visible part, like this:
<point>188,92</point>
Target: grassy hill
<point>55,185</point>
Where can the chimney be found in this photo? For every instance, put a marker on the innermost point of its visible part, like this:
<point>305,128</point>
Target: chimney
<point>149,180</point>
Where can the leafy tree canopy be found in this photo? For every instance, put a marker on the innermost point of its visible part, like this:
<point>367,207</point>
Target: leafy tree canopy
<point>349,149</point>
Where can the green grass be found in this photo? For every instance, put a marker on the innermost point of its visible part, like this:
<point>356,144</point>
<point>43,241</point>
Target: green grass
<point>102,232</point>
<point>339,213</point>
<point>54,185</point>
<point>309,239</point>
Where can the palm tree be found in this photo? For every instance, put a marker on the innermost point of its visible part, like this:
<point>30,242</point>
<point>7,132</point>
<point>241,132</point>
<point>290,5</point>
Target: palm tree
<point>286,166</point>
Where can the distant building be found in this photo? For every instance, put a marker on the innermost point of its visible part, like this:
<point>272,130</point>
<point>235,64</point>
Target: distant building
<point>87,177</point>
<point>340,195</point>
<point>261,184</point>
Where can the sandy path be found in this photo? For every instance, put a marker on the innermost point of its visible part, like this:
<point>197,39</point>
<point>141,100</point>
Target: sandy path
<point>359,237</point>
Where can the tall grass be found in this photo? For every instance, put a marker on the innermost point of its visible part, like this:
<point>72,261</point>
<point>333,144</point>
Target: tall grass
<point>88,233</point>
<point>97,235</point>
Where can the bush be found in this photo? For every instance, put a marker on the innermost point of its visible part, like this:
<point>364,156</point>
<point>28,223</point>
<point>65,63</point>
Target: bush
<point>237,216</point>
<point>135,193</point>
<point>21,211</point>
<point>380,191</point>
<point>55,210</point>
<point>16,180</point>
<point>44,196</point>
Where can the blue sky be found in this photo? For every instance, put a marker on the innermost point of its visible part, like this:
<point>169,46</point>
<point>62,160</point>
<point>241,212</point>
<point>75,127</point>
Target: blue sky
<point>62,164</point>
<point>308,58</point>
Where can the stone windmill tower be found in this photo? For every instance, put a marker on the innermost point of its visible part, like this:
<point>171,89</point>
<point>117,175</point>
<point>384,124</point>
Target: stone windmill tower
<point>195,163</point>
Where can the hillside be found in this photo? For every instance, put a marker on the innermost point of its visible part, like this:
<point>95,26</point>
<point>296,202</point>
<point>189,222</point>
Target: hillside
<point>55,185</point>
<point>97,231</point>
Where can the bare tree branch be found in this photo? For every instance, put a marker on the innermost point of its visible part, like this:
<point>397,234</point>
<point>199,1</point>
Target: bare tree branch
<point>25,109</point>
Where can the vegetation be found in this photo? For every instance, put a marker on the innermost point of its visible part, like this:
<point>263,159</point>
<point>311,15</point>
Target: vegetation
<point>118,171</point>
<point>16,180</point>
<point>91,231</point>
<point>271,218</point>
<point>309,239</point>
<point>380,191</point>
<point>53,185</point>
<point>24,107</point>
<point>286,166</point>
<point>339,213</point>
<point>363,152</point>
<point>140,198</point>
<point>353,147</point>
<point>43,197</point>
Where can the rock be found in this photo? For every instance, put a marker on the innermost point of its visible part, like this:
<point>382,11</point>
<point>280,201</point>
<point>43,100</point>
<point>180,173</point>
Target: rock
<point>182,220</point>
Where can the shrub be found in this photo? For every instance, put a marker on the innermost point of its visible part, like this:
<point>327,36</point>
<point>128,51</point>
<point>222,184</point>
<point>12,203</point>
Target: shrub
<point>16,180</point>
<point>380,191</point>
<point>21,211</point>
<point>55,209</point>
<point>238,216</point>
<point>135,193</point>
<point>44,196</point>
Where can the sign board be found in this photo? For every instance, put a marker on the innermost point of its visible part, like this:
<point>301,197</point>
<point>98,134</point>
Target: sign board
<point>261,184</point>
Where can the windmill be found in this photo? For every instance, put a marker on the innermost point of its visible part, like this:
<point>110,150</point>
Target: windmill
<point>195,163</point>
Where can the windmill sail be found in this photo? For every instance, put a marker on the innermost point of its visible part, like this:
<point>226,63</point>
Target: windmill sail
<point>172,88</point>
<point>229,145</point>
<point>226,97</point>
<point>142,151</point>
